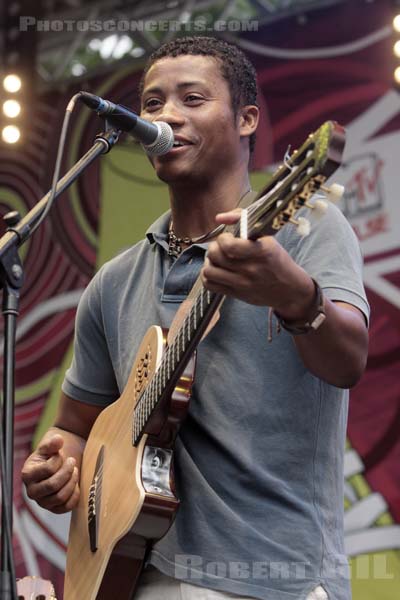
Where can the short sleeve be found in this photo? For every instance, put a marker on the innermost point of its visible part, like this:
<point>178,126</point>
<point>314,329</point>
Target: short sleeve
<point>91,377</point>
<point>331,255</point>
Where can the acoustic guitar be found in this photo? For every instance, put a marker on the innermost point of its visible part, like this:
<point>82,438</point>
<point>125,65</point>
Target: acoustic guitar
<point>127,498</point>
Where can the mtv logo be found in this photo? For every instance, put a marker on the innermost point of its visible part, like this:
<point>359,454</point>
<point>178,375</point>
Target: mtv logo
<point>364,187</point>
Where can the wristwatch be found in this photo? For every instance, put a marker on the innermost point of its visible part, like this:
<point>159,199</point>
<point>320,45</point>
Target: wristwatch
<point>316,319</point>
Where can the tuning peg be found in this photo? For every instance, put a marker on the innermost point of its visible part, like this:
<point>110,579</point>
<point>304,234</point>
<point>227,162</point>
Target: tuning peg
<point>303,226</point>
<point>318,206</point>
<point>334,192</point>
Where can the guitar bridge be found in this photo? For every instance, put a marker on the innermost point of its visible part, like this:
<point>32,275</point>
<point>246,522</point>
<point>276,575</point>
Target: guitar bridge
<point>94,501</point>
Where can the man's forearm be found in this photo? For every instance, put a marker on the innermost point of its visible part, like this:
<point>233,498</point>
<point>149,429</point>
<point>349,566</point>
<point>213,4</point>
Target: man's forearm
<point>337,351</point>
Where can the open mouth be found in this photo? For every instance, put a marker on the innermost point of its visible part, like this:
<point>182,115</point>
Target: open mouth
<point>180,143</point>
<point>178,147</point>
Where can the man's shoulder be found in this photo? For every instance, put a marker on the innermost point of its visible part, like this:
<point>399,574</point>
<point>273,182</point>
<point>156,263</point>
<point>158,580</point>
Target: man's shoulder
<point>126,259</point>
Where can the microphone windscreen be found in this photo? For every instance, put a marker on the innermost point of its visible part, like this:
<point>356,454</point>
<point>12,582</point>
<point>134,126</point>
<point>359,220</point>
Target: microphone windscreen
<point>164,141</point>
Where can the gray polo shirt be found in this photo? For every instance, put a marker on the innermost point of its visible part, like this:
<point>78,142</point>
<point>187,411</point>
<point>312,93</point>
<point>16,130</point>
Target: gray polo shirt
<point>259,459</point>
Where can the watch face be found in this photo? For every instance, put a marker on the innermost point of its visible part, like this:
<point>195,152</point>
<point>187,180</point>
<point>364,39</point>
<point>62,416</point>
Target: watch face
<point>319,319</point>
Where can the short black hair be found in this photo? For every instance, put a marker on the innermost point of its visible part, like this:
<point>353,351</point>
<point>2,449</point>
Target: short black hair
<point>235,67</point>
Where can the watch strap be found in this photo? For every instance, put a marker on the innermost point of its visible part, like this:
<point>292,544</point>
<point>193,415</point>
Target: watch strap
<point>316,319</point>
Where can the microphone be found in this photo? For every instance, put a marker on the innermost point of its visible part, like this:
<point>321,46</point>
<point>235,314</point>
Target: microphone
<point>156,138</point>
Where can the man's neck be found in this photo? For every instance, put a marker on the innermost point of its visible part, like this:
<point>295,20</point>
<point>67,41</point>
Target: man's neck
<point>194,208</point>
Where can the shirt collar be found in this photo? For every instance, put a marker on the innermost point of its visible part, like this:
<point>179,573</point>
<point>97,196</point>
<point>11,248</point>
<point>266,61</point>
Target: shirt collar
<point>158,232</point>
<point>159,229</point>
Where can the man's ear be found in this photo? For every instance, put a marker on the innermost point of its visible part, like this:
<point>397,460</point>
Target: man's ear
<point>248,119</point>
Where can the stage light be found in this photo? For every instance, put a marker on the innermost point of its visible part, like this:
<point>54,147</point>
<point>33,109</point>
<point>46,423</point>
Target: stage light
<point>11,134</point>
<point>11,108</point>
<point>12,83</point>
<point>396,23</point>
<point>397,75</point>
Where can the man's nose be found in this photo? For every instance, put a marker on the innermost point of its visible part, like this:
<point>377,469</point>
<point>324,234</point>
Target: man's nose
<point>171,114</point>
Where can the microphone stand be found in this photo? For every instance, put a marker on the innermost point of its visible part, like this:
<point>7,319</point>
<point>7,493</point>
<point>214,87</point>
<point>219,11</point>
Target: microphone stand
<point>11,281</point>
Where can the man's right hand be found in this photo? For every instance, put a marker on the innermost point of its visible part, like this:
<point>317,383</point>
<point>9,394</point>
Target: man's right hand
<point>51,476</point>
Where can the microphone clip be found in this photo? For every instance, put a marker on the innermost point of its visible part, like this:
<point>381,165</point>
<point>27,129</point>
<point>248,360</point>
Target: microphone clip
<point>109,137</point>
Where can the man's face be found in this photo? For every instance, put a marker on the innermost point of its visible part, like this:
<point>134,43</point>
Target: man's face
<point>190,93</point>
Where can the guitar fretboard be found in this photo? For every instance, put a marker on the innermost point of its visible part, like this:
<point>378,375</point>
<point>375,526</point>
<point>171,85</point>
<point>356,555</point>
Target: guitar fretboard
<point>176,355</point>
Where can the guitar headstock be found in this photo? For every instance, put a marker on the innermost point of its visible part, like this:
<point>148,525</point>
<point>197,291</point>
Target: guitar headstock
<point>299,177</point>
<point>35,588</point>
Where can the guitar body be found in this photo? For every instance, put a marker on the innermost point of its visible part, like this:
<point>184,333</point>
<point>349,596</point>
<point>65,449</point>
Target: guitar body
<point>127,497</point>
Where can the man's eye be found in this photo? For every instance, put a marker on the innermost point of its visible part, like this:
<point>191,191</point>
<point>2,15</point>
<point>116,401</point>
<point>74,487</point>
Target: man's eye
<point>153,102</point>
<point>193,98</point>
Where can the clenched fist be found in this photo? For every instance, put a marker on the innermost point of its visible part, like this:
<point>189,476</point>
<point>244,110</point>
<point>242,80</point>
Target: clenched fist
<point>51,475</point>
